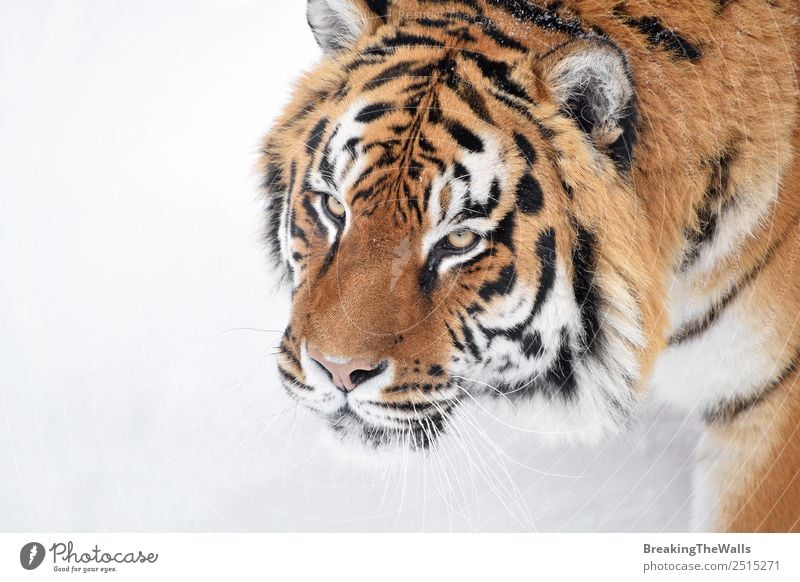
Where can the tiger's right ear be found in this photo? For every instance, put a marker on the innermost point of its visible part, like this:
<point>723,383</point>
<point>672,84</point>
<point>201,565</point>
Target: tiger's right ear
<point>338,24</point>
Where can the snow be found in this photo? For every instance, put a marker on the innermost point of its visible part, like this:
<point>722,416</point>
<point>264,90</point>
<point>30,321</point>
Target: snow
<point>138,317</point>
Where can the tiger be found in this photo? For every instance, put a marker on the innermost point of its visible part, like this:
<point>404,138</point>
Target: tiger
<point>558,206</point>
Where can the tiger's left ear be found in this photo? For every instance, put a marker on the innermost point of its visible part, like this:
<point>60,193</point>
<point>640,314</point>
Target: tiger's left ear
<point>592,81</point>
<point>338,24</point>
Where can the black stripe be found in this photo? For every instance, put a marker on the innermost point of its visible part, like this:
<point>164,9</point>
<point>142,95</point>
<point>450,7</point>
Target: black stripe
<point>417,91</point>
<point>414,169</point>
<point>469,339</point>
<point>406,406</point>
<point>529,195</point>
<point>660,36</point>
<point>503,285</point>
<point>708,214</point>
<point>472,308</point>
<point>390,74</point>
<point>292,381</point>
<point>329,258</point>
<point>463,34</point>
<point>457,344</point>
<point>509,102</point>
<point>351,146</point>
<point>461,173</point>
<point>728,410</point>
<point>315,137</point>
<point>379,8</point>
<point>274,212</point>
<point>435,23</point>
<point>342,92</point>
<point>701,324</point>
<point>561,374</point>
<point>584,264</point>
<point>373,55</point>
<point>399,128</point>
<point>372,112</point>
<point>525,147</point>
<point>273,178</point>
<point>503,234</point>
<point>514,333</point>
<point>428,69</point>
<point>490,252</point>
<point>313,215</point>
<point>425,145</point>
<point>402,39</point>
<point>532,345</point>
<point>465,138</point>
<point>286,351</point>
<point>440,165</point>
<point>276,190</point>
<point>296,231</point>
<point>498,73</point>
<point>415,387</point>
<point>326,169</point>
<point>546,251</point>
<point>469,95</point>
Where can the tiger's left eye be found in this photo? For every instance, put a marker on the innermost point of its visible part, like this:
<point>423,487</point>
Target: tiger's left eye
<point>334,207</point>
<point>461,240</point>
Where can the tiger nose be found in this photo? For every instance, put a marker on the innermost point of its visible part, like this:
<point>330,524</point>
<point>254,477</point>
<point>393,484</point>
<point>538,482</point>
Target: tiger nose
<point>346,374</point>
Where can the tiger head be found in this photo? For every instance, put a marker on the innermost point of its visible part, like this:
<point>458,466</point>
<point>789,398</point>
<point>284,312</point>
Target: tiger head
<point>452,208</point>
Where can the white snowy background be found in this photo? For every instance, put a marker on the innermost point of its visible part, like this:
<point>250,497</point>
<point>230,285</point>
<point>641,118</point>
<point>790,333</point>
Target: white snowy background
<point>138,318</point>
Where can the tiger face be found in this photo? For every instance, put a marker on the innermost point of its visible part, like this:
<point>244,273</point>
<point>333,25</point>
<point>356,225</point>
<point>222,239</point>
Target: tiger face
<point>442,211</point>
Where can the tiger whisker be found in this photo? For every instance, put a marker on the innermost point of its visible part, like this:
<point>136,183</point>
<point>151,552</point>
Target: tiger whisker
<point>460,440</point>
<point>515,496</point>
<point>519,428</point>
<point>500,451</point>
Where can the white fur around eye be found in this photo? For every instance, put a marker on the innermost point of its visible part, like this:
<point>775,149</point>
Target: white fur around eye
<point>452,261</point>
<point>331,226</point>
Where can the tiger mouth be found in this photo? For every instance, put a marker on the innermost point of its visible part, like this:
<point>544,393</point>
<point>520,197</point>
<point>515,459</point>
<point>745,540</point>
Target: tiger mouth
<point>378,423</point>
